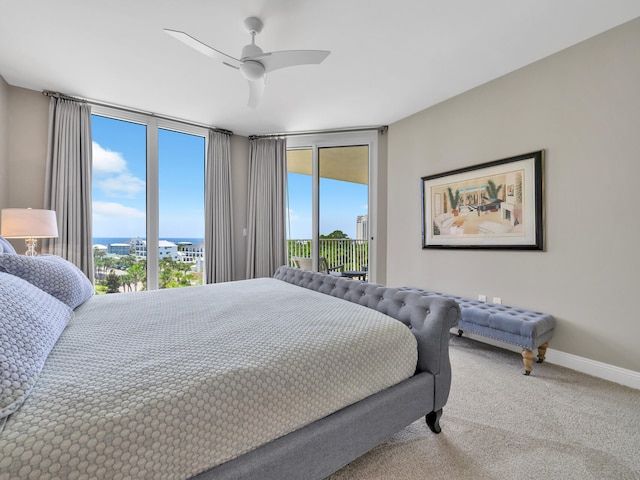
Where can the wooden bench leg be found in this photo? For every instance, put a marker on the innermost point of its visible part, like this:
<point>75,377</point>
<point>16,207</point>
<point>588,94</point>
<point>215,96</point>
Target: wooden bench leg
<point>542,351</point>
<point>527,359</point>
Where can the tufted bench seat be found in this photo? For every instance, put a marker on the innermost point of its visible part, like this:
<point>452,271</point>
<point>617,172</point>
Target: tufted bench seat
<point>524,328</point>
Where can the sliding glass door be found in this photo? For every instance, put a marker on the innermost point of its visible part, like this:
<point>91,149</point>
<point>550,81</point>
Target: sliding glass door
<point>330,201</point>
<point>343,204</point>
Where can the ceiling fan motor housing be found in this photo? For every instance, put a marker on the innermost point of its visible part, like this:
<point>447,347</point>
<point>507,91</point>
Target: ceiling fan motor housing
<point>252,70</point>
<point>250,50</point>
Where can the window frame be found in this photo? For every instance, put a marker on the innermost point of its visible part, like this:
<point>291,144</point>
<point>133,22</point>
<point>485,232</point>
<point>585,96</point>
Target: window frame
<point>152,124</point>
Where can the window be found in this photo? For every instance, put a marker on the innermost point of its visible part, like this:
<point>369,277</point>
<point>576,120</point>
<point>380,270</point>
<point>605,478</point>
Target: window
<point>148,202</point>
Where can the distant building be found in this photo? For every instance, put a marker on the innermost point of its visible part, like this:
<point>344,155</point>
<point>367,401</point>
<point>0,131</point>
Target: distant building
<point>119,249</point>
<point>165,249</point>
<point>190,253</point>
<point>138,247</point>
<point>362,227</point>
<point>168,249</point>
<point>101,249</point>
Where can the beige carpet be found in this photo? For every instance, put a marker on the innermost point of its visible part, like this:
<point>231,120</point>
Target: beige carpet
<point>500,424</point>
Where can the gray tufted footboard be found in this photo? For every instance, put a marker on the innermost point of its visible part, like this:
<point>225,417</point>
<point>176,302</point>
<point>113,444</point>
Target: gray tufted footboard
<point>429,318</point>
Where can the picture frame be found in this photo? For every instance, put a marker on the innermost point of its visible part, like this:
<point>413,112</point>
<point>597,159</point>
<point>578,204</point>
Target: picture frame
<point>492,205</point>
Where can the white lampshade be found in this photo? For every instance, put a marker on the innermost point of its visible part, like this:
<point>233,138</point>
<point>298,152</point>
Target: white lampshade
<point>28,223</point>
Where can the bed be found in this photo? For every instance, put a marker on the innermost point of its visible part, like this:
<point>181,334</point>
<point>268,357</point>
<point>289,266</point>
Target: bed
<point>286,377</point>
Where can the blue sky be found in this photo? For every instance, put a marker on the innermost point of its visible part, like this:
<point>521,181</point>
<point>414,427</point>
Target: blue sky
<point>340,205</point>
<point>119,181</point>
<point>119,187</point>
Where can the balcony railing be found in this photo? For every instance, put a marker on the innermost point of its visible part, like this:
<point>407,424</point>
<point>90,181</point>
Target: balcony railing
<point>353,254</point>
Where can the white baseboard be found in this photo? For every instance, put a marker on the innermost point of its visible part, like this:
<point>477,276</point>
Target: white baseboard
<point>623,376</point>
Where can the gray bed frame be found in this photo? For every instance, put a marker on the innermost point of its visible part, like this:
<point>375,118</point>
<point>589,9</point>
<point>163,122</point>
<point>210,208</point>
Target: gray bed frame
<point>324,446</point>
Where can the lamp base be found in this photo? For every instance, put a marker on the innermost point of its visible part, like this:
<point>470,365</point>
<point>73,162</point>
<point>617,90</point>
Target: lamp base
<point>31,243</point>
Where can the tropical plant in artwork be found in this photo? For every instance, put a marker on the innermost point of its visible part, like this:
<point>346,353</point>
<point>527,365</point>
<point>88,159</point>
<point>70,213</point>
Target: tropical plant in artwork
<point>454,200</point>
<point>518,188</point>
<point>517,209</point>
<point>492,190</point>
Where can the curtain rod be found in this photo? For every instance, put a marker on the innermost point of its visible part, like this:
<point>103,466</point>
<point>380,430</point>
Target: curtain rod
<point>382,129</point>
<point>132,110</point>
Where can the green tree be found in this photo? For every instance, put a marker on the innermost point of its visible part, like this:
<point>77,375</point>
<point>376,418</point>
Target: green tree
<point>127,261</point>
<point>110,263</point>
<point>138,273</point>
<point>98,265</point>
<point>126,281</point>
<point>336,234</point>
<point>113,282</point>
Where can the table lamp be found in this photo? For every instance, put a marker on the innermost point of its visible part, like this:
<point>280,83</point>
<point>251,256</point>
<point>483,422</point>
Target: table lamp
<point>30,224</point>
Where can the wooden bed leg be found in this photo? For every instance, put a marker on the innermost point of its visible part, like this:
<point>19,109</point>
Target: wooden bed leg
<point>460,332</point>
<point>433,420</point>
<point>527,359</point>
<point>542,351</point>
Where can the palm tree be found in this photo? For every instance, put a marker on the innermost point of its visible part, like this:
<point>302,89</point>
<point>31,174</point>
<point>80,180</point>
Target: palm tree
<point>454,200</point>
<point>98,264</point>
<point>492,191</point>
<point>126,280</point>
<point>137,272</point>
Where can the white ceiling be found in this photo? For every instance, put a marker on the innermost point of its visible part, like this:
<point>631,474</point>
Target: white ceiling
<point>389,59</point>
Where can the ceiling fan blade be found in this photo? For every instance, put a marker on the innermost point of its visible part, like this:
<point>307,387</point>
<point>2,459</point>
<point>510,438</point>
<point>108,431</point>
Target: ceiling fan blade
<point>203,48</point>
<point>256,88</point>
<point>289,58</point>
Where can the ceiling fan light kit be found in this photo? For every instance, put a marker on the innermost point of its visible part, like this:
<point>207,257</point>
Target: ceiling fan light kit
<point>254,64</point>
<point>252,71</point>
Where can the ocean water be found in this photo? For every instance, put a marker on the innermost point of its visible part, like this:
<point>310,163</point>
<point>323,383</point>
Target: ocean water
<point>108,240</point>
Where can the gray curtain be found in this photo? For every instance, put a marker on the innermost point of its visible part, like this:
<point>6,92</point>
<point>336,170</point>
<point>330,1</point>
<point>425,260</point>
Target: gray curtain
<point>267,236</point>
<point>68,181</point>
<point>218,210</point>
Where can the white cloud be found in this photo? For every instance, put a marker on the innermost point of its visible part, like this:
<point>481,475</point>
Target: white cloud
<point>123,185</point>
<point>106,161</point>
<point>112,219</point>
<point>112,209</point>
<point>116,181</point>
<point>293,215</point>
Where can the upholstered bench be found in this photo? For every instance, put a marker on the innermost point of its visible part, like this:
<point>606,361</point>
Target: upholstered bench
<point>524,328</point>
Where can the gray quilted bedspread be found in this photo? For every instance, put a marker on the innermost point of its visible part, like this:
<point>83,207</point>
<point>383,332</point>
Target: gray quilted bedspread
<point>167,384</point>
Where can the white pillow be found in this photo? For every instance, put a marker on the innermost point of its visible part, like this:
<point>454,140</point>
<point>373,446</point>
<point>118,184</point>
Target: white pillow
<point>5,246</point>
<point>30,323</point>
<point>53,274</point>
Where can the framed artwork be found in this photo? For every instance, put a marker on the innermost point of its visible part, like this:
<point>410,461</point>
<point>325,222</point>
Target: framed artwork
<point>494,205</point>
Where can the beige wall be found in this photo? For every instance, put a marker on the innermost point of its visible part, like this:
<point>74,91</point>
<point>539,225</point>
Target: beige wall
<point>582,106</point>
<point>28,126</point>
<point>4,143</point>
<point>240,186</point>
<point>22,168</point>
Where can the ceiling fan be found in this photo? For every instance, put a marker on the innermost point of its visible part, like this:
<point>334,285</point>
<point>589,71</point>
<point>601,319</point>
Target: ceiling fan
<point>254,64</point>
